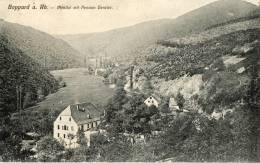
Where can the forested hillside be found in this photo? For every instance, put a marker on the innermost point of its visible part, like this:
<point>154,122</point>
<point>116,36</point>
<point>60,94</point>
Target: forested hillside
<point>21,76</point>
<point>46,50</point>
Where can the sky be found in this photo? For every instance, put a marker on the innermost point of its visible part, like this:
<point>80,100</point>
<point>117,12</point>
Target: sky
<point>124,13</point>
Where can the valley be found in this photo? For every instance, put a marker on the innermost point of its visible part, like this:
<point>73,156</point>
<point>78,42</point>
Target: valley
<point>183,89</point>
<point>80,87</point>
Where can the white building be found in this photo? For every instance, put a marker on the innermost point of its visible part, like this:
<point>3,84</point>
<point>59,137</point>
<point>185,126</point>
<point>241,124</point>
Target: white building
<point>173,106</point>
<point>152,101</point>
<point>84,116</point>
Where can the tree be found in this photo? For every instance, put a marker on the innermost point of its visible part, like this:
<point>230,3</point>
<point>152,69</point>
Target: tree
<point>119,149</point>
<point>218,65</point>
<point>11,140</point>
<point>49,149</point>
<point>164,107</point>
<point>79,154</point>
<point>120,94</point>
<point>143,152</point>
<point>10,149</point>
<point>98,142</point>
<point>81,138</point>
<point>115,104</point>
<point>253,98</point>
<point>222,89</point>
<point>147,87</point>
<point>71,137</point>
<point>180,100</point>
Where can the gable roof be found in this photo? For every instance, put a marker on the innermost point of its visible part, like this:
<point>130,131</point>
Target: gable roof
<point>85,112</point>
<point>155,96</point>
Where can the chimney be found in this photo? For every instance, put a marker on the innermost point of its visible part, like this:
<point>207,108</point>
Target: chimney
<point>88,116</point>
<point>77,106</point>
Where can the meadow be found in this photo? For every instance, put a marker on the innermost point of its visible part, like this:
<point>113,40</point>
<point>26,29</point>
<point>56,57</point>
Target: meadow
<point>80,88</point>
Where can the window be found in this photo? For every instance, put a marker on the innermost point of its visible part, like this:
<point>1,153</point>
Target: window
<point>72,128</point>
<point>58,127</point>
<point>92,125</point>
<point>60,118</point>
<point>64,135</point>
<point>69,119</point>
<point>64,127</point>
<point>88,125</point>
<point>82,127</point>
<point>58,134</point>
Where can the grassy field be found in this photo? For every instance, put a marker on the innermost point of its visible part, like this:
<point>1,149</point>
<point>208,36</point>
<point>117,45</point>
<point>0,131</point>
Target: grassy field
<point>80,88</point>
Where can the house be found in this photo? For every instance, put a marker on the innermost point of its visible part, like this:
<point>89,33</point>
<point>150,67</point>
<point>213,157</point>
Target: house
<point>84,116</point>
<point>173,106</point>
<point>153,100</point>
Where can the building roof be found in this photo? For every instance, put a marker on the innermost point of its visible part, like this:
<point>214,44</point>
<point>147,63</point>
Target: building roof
<point>85,112</point>
<point>156,97</point>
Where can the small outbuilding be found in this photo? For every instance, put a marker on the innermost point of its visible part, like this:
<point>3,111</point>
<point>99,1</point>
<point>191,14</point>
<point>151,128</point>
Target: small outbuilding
<point>173,106</point>
<point>153,100</point>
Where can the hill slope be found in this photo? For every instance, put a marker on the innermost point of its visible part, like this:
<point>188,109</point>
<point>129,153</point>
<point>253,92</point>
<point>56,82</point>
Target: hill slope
<point>43,48</point>
<point>193,58</point>
<point>128,41</point>
<point>17,69</point>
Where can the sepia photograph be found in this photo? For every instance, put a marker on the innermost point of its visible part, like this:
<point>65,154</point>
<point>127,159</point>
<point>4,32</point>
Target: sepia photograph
<point>130,81</point>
